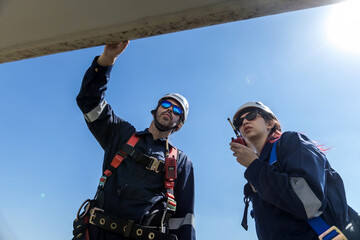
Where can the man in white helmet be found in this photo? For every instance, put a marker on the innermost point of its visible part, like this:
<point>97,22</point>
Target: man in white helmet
<point>147,188</point>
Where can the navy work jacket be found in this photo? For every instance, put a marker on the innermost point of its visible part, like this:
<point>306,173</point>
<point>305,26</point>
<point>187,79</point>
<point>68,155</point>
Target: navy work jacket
<point>302,186</point>
<point>132,191</point>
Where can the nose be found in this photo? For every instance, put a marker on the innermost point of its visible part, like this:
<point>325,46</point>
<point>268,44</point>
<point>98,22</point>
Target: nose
<point>245,121</point>
<point>170,109</point>
<point>170,112</point>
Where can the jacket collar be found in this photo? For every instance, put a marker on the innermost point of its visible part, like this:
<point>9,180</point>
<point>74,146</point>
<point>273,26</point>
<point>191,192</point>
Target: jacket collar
<point>146,132</point>
<point>265,153</point>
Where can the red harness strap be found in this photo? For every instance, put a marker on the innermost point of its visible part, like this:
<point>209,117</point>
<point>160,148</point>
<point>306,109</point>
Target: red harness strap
<point>170,170</point>
<point>120,156</point>
<point>117,160</point>
<point>170,176</point>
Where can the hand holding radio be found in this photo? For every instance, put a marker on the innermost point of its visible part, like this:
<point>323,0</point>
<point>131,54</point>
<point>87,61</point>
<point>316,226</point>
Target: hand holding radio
<point>244,155</point>
<point>239,138</point>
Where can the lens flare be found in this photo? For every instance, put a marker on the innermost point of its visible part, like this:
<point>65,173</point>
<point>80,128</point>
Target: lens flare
<point>343,26</point>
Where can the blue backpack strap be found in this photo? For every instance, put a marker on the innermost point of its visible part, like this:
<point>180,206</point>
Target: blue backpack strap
<point>317,224</point>
<point>273,155</point>
<point>320,226</point>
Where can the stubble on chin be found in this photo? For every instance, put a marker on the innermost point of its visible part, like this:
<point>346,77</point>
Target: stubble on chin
<point>166,121</point>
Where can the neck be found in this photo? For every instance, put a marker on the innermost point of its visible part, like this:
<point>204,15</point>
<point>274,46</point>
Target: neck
<point>259,143</point>
<point>158,134</point>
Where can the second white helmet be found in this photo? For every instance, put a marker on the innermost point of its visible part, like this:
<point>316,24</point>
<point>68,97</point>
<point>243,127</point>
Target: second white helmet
<point>180,99</point>
<point>259,105</point>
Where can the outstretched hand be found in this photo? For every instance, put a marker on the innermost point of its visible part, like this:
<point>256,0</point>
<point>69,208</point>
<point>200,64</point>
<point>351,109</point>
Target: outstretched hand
<point>244,155</point>
<point>111,52</point>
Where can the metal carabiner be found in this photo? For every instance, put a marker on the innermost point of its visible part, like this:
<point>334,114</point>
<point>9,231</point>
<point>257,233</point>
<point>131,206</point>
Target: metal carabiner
<point>86,209</point>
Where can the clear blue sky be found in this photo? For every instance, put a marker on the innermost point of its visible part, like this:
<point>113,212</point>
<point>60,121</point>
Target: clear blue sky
<point>50,162</point>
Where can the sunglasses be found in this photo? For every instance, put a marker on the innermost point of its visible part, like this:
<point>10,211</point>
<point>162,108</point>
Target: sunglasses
<point>176,110</point>
<point>250,116</point>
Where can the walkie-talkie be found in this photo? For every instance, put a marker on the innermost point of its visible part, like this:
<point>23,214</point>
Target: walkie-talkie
<point>239,138</point>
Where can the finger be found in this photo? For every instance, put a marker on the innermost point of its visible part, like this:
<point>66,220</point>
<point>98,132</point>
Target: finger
<point>234,149</point>
<point>248,143</point>
<point>112,46</point>
<point>237,155</point>
<point>237,145</point>
<point>123,45</point>
<point>238,149</point>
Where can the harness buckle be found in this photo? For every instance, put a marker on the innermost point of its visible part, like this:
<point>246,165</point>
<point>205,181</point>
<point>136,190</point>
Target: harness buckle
<point>340,235</point>
<point>154,165</point>
<point>122,154</point>
<point>93,214</point>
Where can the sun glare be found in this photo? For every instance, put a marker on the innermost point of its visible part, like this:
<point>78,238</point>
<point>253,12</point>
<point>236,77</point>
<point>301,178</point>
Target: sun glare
<point>343,27</point>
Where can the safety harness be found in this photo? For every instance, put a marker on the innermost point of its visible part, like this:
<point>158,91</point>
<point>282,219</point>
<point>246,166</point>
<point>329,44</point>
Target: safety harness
<point>127,228</point>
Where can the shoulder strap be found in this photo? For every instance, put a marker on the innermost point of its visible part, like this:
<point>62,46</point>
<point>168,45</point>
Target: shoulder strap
<point>323,230</point>
<point>273,154</point>
<point>125,150</point>
<point>128,150</point>
<point>117,160</point>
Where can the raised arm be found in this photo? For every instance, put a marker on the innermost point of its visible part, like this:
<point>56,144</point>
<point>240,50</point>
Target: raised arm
<point>99,116</point>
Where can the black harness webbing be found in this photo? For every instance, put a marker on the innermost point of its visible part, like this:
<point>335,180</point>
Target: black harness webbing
<point>128,150</point>
<point>128,228</point>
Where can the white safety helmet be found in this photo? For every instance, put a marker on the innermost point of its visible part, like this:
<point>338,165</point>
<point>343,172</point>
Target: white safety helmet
<point>259,105</point>
<point>180,99</point>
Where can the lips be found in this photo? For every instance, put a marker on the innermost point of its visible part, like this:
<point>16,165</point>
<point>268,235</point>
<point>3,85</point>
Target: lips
<point>247,128</point>
<point>167,114</point>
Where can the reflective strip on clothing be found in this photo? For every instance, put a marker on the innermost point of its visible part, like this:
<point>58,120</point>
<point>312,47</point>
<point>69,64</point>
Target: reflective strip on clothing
<point>308,198</point>
<point>176,223</point>
<point>95,113</point>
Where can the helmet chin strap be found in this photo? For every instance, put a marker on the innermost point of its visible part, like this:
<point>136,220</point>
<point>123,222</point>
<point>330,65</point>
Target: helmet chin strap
<point>161,127</point>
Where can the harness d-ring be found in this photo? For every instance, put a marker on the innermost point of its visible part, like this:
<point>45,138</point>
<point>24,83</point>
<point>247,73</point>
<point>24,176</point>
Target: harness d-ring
<point>85,210</point>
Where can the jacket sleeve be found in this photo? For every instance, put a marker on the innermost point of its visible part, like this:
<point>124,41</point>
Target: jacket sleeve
<point>182,222</point>
<point>98,114</point>
<point>299,188</point>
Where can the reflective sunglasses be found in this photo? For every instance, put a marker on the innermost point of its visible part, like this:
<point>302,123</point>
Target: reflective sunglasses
<point>176,110</point>
<point>250,116</point>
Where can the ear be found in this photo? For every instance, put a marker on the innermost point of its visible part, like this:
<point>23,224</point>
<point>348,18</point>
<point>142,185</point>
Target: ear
<point>153,112</point>
<point>180,124</point>
<point>270,124</point>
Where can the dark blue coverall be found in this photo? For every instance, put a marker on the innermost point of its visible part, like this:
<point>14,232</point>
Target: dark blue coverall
<point>301,187</point>
<point>133,191</point>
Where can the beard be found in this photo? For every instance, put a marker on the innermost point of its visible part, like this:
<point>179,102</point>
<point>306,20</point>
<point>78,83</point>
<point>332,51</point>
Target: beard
<point>164,123</point>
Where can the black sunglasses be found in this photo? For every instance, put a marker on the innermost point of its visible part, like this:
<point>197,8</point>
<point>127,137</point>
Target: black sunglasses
<point>250,116</point>
<point>176,110</point>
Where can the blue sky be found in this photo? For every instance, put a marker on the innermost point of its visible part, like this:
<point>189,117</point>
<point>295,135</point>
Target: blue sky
<point>50,162</point>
